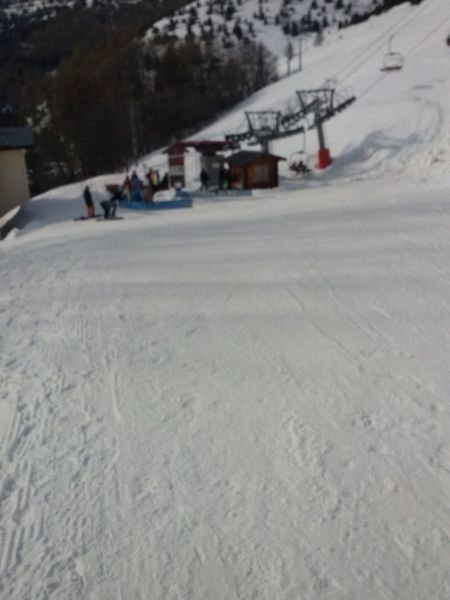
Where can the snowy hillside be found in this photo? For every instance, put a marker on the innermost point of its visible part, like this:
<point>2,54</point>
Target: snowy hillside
<point>272,23</point>
<point>249,398</point>
<point>399,120</point>
<point>399,123</point>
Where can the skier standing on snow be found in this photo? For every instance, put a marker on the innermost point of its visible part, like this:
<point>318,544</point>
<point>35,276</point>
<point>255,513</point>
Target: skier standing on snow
<point>127,186</point>
<point>154,180</point>
<point>136,188</point>
<point>204,179</point>
<point>89,202</point>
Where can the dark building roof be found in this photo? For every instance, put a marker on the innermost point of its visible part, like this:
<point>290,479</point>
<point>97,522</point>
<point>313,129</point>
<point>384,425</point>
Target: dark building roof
<point>15,138</point>
<point>246,156</point>
<point>203,146</point>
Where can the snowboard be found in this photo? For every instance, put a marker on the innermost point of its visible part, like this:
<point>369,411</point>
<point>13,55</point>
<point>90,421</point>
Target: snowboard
<point>83,218</point>
<point>109,219</point>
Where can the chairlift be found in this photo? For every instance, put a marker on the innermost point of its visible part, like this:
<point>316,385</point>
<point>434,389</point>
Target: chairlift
<point>393,61</point>
<point>298,163</point>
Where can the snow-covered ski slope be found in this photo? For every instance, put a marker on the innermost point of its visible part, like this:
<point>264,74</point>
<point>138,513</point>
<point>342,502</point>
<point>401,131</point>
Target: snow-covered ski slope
<point>248,399</point>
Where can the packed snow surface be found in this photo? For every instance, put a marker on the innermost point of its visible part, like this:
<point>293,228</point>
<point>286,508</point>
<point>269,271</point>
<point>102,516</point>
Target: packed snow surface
<point>248,399</point>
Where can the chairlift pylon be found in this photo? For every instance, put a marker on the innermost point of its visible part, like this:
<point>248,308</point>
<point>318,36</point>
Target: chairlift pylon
<point>393,61</point>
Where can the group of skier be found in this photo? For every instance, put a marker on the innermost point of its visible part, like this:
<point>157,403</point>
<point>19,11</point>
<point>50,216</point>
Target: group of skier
<point>132,189</point>
<point>223,178</point>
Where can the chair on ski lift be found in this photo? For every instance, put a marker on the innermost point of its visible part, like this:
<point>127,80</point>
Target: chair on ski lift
<point>393,61</point>
<point>298,163</point>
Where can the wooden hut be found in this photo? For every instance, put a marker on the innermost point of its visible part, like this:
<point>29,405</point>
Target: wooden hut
<point>250,170</point>
<point>14,189</point>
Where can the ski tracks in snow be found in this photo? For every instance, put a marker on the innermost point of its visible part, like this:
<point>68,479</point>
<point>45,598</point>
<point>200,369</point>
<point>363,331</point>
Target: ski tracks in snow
<point>60,465</point>
<point>379,410</point>
<point>35,386</point>
<point>247,418</point>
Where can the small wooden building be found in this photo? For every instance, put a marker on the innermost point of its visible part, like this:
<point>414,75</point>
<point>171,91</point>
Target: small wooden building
<point>250,169</point>
<point>14,189</point>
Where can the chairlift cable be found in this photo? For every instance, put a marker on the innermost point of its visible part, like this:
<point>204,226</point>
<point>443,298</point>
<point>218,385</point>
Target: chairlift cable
<point>425,37</point>
<point>403,21</point>
<point>239,131</point>
<point>411,51</point>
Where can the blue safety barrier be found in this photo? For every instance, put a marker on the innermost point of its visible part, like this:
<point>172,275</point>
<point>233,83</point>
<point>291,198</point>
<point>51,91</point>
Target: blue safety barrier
<point>181,199</point>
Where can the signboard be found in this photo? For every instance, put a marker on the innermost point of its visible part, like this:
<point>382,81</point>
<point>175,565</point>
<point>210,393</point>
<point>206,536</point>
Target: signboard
<point>176,166</point>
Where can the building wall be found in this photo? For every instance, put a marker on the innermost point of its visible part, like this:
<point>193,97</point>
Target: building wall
<point>266,166</point>
<point>13,180</point>
<point>237,177</point>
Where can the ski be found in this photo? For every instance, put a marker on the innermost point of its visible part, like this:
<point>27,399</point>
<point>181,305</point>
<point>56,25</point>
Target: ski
<point>83,218</point>
<point>109,219</point>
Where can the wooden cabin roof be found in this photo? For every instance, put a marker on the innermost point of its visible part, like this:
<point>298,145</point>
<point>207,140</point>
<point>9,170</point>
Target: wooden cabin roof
<point>244,157</point>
